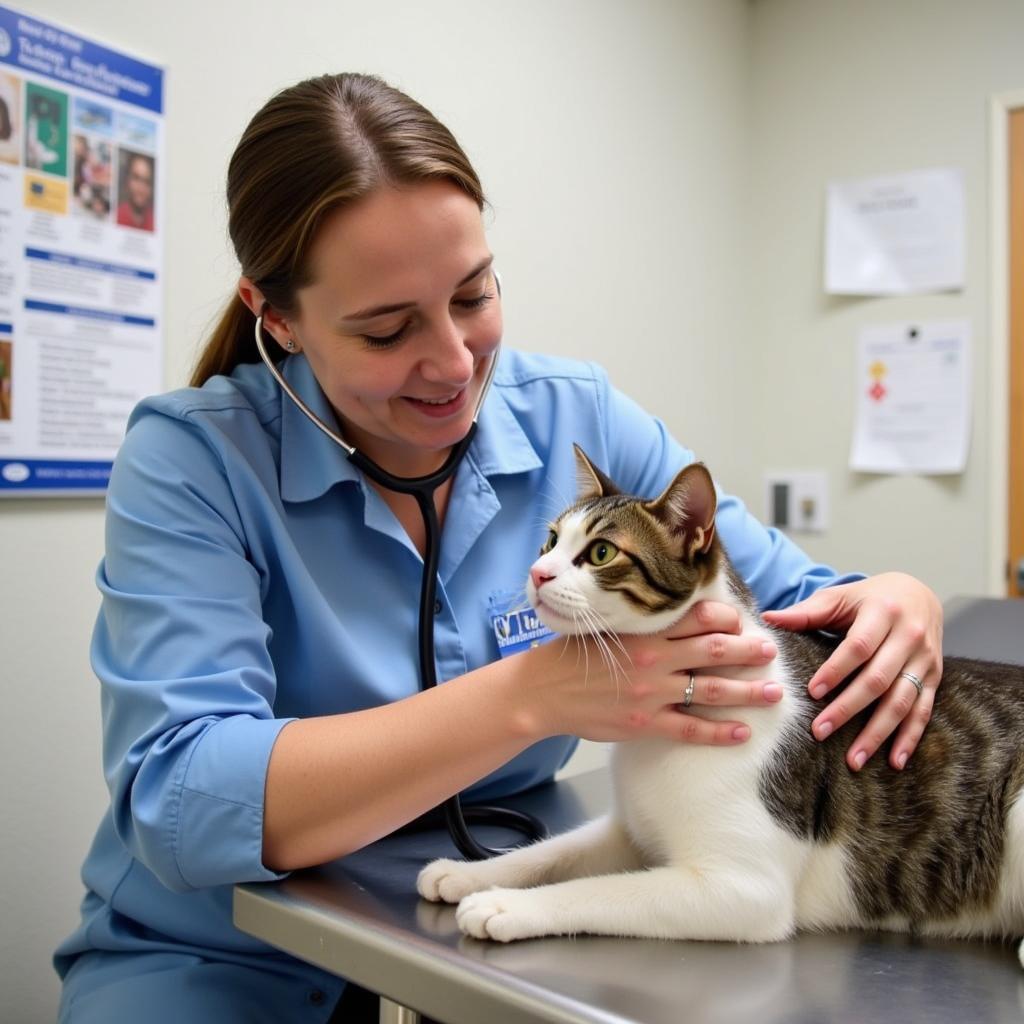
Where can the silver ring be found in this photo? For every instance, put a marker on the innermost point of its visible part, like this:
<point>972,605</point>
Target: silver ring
<point>688,692</point>
<point>916,680</point>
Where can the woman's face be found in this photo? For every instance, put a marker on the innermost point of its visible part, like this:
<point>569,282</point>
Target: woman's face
<point>401,320</point>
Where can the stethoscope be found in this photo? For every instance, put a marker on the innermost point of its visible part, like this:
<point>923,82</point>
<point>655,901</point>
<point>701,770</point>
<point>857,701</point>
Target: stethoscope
<point>422,488</point>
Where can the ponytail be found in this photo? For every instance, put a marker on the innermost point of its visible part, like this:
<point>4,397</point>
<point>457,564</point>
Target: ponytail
<point>231,343</point>
<point>319,146</point>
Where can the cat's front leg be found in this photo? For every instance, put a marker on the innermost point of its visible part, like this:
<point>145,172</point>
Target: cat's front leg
<point>598,847</point>
<point>663,903</point>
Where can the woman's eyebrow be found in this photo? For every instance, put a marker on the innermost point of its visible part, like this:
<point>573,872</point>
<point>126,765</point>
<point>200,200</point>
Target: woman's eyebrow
<point>395,307</point>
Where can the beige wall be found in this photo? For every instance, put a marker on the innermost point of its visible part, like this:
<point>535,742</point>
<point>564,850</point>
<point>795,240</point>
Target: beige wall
<point>611,139</point>
<point>656,171</point>
<point>844,89</point>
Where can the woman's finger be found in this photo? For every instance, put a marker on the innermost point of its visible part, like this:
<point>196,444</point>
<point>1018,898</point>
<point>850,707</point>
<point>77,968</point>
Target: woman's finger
<point>717,691</point>
<point>871,683</point>
<point>821,609</point>
<point>706,617</point>
<point>705,651</point>
<point>689,728</point>
<point>717,649</point>
<point>912,728</point>
<point>857,648</point>
<point>893,709</point>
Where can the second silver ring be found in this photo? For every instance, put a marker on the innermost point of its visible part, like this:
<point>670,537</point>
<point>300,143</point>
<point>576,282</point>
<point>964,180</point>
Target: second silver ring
<point>915,679</point>
<point>688,692</point>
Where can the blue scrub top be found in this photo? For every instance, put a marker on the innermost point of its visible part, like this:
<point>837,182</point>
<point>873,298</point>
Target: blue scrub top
<point>253,577</point>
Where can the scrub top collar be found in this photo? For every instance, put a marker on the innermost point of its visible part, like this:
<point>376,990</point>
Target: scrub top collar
<point>311,464</point>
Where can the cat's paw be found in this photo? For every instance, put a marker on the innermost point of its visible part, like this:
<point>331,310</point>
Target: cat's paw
<point>449,881</point>
<point>503,915</point>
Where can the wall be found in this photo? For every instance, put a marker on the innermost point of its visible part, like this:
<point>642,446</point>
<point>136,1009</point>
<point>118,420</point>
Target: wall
<point>657,175</point>
<point>841,90</point>
<point>612,141</point>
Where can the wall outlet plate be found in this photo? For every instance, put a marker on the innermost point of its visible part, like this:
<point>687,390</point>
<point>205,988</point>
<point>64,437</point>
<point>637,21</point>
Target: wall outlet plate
<point>797,500</point>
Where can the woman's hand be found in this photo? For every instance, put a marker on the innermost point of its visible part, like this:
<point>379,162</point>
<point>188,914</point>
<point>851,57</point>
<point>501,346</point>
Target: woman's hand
<point>893,625</point>
<point>579,688</point>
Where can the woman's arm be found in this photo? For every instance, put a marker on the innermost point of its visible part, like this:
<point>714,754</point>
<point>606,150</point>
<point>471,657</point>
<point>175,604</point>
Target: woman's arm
<point>210,785</point>
<point>337,783</point>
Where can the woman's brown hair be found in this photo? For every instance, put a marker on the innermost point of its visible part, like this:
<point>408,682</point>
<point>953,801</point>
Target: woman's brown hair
<point>318,146</point>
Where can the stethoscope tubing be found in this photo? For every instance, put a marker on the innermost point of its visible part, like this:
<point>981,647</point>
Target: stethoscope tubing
<point>423,488</point>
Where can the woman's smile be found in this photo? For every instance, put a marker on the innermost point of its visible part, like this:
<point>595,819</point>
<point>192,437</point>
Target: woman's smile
<point>401,321</point>
<point>438,408</point>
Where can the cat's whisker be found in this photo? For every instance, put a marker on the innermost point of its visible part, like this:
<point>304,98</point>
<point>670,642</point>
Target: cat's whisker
<point>611,634</point>
<point>519,602</point>
<point>566,638</point>
<point>601,645</point>
<point>592,621</point>
<point>573,637</point>
<point>563,503</point>
<point>581,641</point>
<point>614,664</point>
<point>607,635</point>
<point>551,509</point>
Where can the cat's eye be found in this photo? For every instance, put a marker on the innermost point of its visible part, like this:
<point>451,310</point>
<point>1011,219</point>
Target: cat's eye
<point>601,552</point>
<point>550,542</point>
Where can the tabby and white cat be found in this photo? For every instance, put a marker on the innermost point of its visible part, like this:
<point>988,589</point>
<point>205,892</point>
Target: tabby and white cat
<point>752,842</point>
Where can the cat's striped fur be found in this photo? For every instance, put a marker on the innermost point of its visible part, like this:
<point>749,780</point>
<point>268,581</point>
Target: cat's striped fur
<point>752,842</point>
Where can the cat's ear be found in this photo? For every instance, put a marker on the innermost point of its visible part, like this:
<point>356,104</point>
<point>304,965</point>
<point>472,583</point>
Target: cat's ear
<point>590,481</point>
<point>687,508</point>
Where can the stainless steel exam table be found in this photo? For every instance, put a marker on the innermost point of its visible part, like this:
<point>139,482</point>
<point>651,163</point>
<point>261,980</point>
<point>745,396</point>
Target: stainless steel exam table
<point>360,917</point>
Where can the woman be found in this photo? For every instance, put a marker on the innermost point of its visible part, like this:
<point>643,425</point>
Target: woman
<point>256,644</point>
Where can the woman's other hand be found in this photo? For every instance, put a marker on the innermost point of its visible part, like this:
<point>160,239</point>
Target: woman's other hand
<point>893,627</point>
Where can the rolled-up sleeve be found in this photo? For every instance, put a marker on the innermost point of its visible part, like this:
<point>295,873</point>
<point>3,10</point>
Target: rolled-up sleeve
<point>181,651</point>
<point>643,457</point>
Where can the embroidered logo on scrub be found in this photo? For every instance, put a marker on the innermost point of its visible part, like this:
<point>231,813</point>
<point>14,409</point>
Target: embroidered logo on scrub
<point>515,624</point>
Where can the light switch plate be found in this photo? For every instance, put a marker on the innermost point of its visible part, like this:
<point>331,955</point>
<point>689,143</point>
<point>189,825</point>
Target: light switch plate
<point>797,500</point>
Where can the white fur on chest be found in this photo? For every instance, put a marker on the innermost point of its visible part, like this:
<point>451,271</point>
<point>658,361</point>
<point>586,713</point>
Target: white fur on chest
<point>678,800</point>
<point>700,804</point>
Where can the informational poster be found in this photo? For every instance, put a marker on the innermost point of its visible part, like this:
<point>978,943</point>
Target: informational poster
<point>895,235</point>
<point>81,215</point>
<point>913,398</point>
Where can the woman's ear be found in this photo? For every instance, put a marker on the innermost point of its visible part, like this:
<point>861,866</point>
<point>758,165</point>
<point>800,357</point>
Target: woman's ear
<point>273,323</point>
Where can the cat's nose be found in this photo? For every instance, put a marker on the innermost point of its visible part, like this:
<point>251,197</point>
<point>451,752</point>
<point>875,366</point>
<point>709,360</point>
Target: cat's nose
<point>539,577</point>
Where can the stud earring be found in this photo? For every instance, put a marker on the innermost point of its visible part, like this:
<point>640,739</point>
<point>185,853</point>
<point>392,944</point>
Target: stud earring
<point>290,345</point>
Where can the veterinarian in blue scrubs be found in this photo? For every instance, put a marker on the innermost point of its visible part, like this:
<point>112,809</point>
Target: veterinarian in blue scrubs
<point>256,644</point>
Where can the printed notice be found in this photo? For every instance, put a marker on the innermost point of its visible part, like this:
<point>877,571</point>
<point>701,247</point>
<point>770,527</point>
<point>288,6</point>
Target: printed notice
<point>81,168</point>
<point>913,399</point>
<point>895,235</point>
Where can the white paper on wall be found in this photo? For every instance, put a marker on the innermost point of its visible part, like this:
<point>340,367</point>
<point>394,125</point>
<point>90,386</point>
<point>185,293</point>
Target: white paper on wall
<point>913,408</point>
<point>895,235</point>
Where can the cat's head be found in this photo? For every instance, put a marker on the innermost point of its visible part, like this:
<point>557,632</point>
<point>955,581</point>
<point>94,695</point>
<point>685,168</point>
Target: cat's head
<point>616,563</point>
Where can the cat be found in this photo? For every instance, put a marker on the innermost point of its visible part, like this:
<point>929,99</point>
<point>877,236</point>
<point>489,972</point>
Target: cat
<point>756,841</point>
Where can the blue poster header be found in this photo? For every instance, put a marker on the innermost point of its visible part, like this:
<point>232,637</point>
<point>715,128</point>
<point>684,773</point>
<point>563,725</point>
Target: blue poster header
<point>64,57</point>
<point>35,476</point>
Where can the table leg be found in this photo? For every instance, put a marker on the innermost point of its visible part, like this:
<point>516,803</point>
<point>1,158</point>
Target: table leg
<point>395,1013</point>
